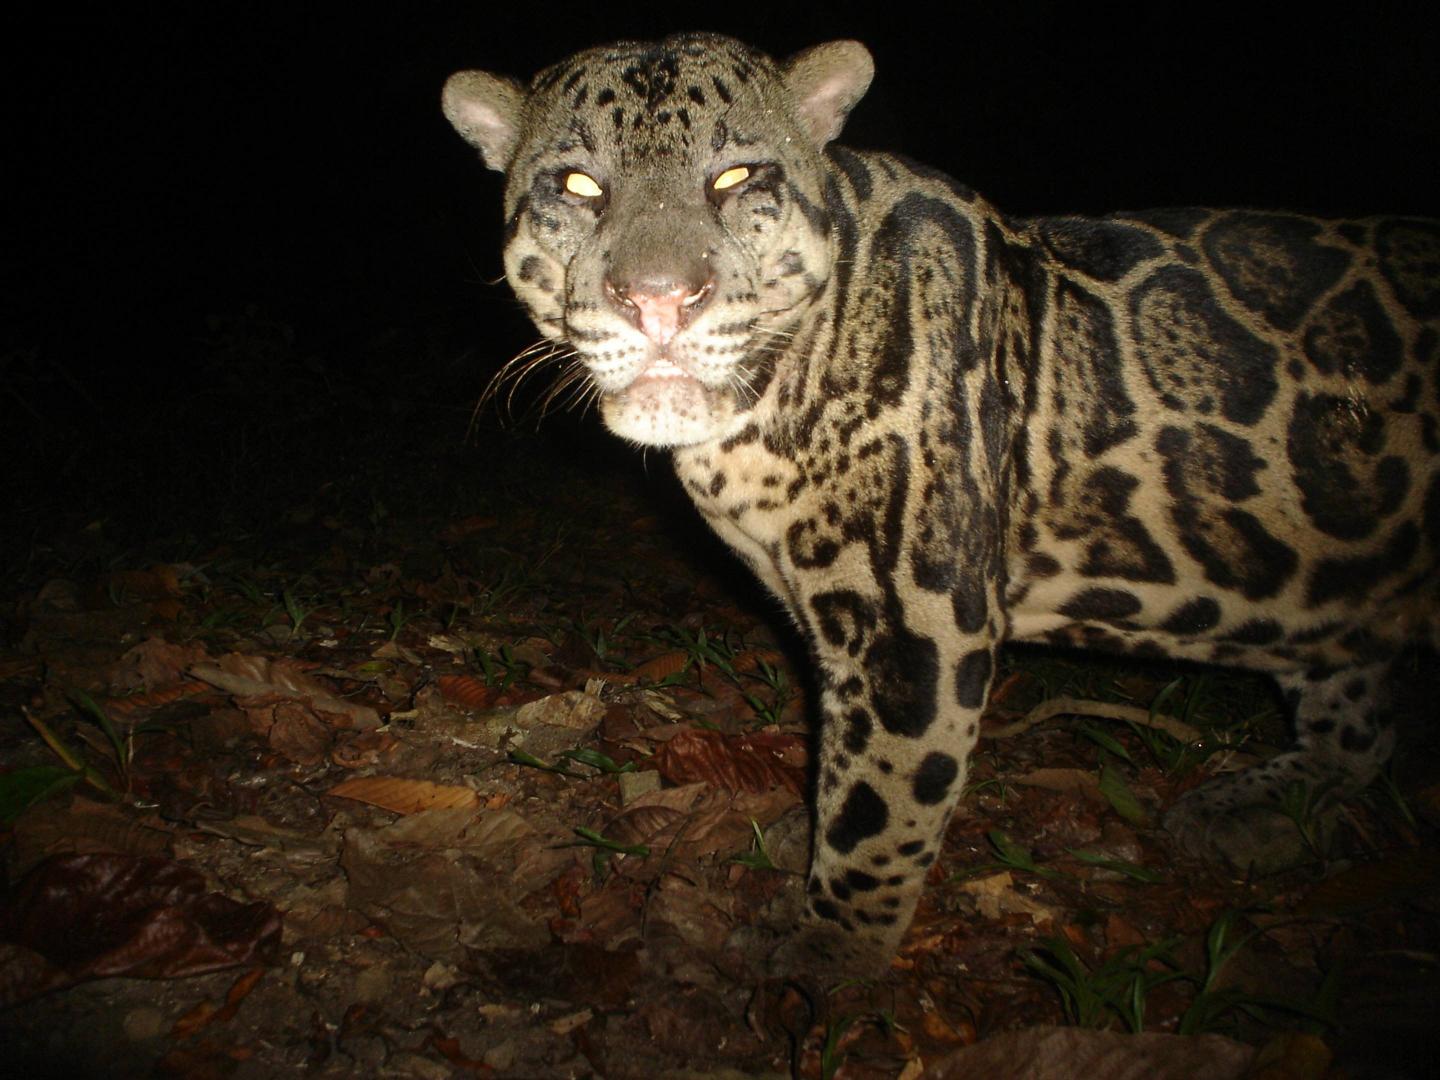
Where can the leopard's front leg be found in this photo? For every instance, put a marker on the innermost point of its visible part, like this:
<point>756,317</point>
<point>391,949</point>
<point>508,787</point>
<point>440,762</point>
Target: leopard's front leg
<point>901,694</point>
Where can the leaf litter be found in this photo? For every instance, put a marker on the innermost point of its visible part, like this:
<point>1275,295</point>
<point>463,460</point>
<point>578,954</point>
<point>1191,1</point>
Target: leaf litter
<point>484,792</point>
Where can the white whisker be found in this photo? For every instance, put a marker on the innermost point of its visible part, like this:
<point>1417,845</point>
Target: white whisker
<point>502,388</point>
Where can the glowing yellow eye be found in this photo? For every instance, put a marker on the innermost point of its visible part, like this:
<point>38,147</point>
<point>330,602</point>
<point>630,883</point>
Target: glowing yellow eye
<point>577,183</point>
<point>730,177</point>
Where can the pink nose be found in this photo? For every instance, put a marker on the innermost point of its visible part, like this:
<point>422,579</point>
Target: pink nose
<point>659,308</point>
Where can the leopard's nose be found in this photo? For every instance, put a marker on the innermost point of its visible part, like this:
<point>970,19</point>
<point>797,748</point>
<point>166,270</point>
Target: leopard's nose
<point>660,307</point>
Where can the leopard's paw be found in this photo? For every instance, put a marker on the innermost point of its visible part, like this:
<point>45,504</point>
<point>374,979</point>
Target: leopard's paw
<point>1256,839</point>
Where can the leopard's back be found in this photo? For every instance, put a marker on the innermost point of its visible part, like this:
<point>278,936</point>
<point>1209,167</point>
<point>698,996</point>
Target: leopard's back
<point>1233,447</point>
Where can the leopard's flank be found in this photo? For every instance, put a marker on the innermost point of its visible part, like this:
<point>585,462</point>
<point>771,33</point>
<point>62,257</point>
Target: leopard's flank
<point>931,427</point>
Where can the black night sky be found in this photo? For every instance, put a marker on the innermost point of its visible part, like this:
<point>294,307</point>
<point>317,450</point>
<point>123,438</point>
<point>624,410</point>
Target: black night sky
<point>169,165</point>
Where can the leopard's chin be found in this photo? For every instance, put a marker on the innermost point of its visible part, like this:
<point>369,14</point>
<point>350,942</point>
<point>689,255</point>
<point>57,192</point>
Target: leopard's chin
<point>668,410</point>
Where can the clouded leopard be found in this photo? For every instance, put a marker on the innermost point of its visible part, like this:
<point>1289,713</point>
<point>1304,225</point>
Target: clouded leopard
<point>931,427</point>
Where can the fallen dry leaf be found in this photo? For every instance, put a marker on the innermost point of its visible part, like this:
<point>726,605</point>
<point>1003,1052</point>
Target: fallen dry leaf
<point>701,822</point>
<point>207,1012</point>
<point>468,691</point>
<point>155,663</point>
<point>80,828</point>
<point>261,677</point>
<point>754,761</point>
<point>294,731</point>
<point>133,705</point>
<point>403,795</point>
<point>354,750</point>
<point>1080,782</point>
<point>91,916</point>
<point>995,896</point>
<point>662,666</point>
<point>574,709</point>
<point>445,881</point>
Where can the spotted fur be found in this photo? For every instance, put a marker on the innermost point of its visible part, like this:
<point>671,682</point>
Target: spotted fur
<point>931,427</point>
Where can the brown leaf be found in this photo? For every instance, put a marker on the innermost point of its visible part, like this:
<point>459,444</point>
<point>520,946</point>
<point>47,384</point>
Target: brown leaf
<point>155,663</point>
<point>702,822</point>
<point>755,761</point>
<point>405,796</point>
<point>207,1012</point>
<point>749,659</point>
<point>298,734</point>
<point>574,709</point>
<point>662,666</point>
<point>80,828</point>
<point>261,677</point>
<point>356,749</point>
<point>92,916</point>
<point>159,582</point>
<point>135,705</point>
<point>468,691</point>
<point>448,880</point>
<point>1082,782</point>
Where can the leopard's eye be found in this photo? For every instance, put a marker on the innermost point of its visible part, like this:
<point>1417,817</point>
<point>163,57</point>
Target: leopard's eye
<point>730,177</point>
<point>577,183</point>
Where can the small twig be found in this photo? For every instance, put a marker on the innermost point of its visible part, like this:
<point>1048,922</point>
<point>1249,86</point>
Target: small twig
<point>1103,710</point>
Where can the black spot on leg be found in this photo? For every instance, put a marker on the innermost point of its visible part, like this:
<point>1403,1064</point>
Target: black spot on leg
<point>861,881</point>
<point>811,547</point>
<point>972,677</point>
<point>858,727</point>
<point>934,777</point>
<point>844,618</point>
<point>904,670</point>
<point>968,599</point>
<point>1355,739</point>
<point>863,815</point>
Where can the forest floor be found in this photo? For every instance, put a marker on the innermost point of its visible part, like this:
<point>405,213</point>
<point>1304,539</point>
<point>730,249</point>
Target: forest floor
<point>333,740</point>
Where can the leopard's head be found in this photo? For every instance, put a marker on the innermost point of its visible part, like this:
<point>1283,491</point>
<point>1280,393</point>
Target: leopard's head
<point>665,212</point>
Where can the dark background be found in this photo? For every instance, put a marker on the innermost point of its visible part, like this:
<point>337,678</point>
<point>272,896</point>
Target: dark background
<point>201,198</point>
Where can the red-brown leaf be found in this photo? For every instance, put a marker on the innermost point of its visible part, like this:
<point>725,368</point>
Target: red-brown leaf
<point>468,691</point>
<point>92,916</point>
<point>755,761</point>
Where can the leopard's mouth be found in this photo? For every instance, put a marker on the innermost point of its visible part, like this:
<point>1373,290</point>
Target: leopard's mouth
<point>662,370</point>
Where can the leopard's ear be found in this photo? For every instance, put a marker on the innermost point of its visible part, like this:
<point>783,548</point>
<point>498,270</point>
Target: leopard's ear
<point>485,109</point>
<point>826,81</point>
